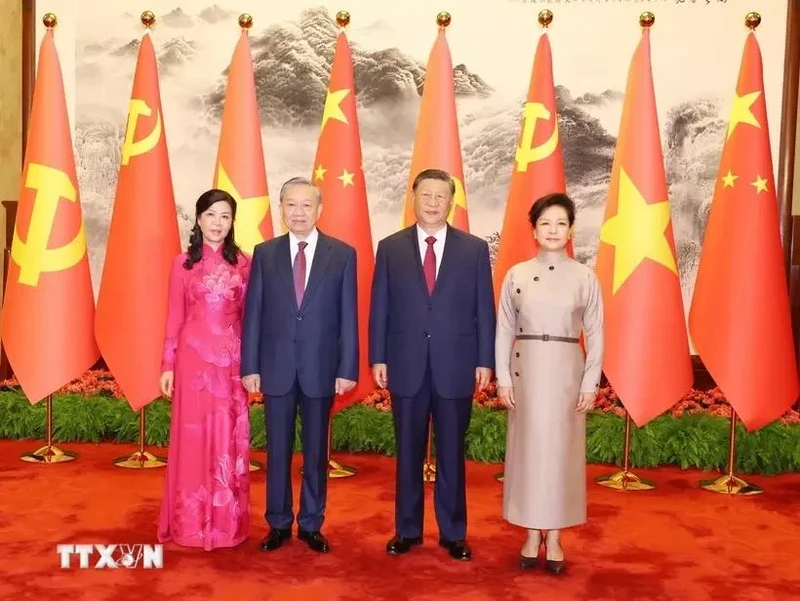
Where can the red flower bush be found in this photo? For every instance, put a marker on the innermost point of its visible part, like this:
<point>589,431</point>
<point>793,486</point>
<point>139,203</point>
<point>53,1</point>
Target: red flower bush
<point>712,402</point>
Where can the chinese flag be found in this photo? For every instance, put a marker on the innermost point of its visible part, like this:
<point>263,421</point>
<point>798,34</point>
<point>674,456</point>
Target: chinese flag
<point>538,167</point>
<point>338,173</point>
<point>142,245</point>
<point>740,320</point>
<point>48,308</point>
<point>647,357</point>
<point>240,167</point>
<point>437,145</point>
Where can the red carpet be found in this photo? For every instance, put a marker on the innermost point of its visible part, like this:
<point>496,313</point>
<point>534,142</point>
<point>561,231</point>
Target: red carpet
<point>675,542</point>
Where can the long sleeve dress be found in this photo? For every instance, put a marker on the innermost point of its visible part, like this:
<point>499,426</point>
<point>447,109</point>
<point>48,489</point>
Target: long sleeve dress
<point>545,464</point>
<point>207,489</point>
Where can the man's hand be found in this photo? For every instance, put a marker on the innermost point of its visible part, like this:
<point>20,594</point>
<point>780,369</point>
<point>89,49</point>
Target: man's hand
<point>252,383</point>
<point>482,377</point>
<point>379,375</point>
<point>343,385</point>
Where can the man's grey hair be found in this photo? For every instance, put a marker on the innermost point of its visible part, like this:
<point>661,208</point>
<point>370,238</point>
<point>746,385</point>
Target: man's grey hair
<point>299,181</point>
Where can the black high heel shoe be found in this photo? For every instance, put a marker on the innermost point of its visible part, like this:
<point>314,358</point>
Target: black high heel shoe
<point>528,563</point>
<point>551,565</point>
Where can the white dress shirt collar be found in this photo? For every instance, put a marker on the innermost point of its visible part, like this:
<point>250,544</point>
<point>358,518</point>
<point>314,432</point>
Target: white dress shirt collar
<point>311,239</point>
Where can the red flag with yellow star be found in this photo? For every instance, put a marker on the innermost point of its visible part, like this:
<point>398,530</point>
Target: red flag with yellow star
<point>143,242</point>
<point>338,173</point>
<point>647,358</point>
<point>48,309</point>
<point>437,144</point>
<point>538,167</point>
<point>240,168</point>
<point>740,320</point>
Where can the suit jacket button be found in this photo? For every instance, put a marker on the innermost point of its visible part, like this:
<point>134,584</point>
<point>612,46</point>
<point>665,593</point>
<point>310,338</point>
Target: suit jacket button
<point>426,334</point>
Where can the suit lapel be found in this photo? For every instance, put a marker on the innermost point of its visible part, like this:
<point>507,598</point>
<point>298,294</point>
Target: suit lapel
<point>411,233</point>
<point>449,261</point>
<point>322,256</point>
<point>285,268</point>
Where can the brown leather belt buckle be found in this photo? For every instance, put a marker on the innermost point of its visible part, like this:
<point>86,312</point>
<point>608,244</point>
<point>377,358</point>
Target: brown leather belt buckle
<point>545,337</point>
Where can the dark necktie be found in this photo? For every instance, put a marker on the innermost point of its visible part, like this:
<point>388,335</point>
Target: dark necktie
<point>429,264</point>
<point>299,269</point>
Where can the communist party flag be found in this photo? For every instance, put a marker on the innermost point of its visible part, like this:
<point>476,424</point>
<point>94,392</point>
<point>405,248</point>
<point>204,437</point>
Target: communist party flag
<point>647,357</point>
<point>240,167</point>
<point>143,242</point>
<point>437,144</point>
<point>538,167</point>
<point>48,308</point>
<point>338,173</point>
<point>739,320</point>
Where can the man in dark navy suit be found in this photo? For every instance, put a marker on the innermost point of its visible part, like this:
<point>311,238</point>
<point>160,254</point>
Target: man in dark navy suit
<point>431,338</point>
<point>299,347</point>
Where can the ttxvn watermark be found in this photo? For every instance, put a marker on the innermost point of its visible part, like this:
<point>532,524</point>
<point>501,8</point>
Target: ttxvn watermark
<point>98,557</point>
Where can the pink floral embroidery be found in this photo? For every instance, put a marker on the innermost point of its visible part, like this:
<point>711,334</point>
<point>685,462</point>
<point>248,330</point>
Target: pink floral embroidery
<point>221,284</point>
<point>207,495</point>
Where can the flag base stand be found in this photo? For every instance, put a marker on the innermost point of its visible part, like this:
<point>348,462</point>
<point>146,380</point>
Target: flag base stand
<point>49,453</point>
<point>336,470</point>
<point>625,479</point>
<point>429,472</point>
<point>141,459</point>
<point>429,467</point>
<point>730,484</point>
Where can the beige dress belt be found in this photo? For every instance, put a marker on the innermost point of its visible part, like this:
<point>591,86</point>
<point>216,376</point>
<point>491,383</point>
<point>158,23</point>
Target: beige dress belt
<point>546,337</point>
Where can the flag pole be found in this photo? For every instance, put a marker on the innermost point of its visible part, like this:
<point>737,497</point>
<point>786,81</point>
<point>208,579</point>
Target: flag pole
<point>49,453</point>
<point>729,484</point>
<point>141,459</point>
<point>625,479</point>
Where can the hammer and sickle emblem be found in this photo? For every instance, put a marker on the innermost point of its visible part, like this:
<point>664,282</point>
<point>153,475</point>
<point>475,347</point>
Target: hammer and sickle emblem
<point>527,153</point>
<point>133,148</point>
<point>32,255</point>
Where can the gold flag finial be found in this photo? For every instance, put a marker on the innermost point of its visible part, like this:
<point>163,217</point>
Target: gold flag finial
<point>647,19</point>
<point>343,18</point>
<point>752,20</point>
<point>245,21</point>
<point>148,19</point>
<point>50,20</point>
<point>443,19</point>
<point>545,18</point>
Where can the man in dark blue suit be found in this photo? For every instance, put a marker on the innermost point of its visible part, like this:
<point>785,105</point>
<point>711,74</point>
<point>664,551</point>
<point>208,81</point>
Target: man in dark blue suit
<point>431,338</point>
<point>299,347</point>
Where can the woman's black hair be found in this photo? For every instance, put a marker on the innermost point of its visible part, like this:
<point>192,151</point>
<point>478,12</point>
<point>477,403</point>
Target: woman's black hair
<point>556,199</point>
<point>230,250</point>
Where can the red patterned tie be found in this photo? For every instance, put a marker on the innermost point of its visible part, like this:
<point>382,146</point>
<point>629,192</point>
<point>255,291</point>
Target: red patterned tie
<point>299,269</point>
<point>429,265</point>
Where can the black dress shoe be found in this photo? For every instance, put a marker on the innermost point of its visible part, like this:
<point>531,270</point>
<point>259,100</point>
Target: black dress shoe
<point>275,539</point>
<point>458,549</point>
<point>314,540</point>
<point>400,545</point>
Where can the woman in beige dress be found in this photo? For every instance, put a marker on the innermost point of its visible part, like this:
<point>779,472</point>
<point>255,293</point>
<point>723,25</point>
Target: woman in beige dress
<point>547,383</point>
